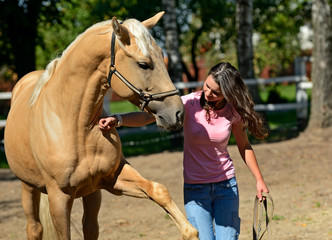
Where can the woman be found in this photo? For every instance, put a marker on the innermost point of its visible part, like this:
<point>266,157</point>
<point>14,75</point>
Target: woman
<point>210,189</point>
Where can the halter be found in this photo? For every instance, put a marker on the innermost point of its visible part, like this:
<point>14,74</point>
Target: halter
<point>144,96</point>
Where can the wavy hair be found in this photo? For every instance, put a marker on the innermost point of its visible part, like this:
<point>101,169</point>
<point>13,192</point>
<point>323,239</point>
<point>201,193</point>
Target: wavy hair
<point>237,94</point>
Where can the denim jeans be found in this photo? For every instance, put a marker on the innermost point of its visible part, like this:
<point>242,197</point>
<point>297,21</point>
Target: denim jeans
<point>213,209</point>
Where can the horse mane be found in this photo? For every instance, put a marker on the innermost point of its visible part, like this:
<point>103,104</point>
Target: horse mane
<point>143,40</point>
<point>142,36</point>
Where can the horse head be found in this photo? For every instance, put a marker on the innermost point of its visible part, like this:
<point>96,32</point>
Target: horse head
<point>140,72</point>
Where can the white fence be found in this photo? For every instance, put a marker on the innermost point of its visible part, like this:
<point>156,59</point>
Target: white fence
<point>4,96</point>
<point>302,85</point>
<point>301,104</point>
<point>300,79</point>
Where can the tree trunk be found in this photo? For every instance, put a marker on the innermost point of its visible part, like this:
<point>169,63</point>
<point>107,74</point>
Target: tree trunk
<point>321,103</point>
<point>244,9</point>
<point>22,32</point>
<point>172,41</point>
<point>173,52</point>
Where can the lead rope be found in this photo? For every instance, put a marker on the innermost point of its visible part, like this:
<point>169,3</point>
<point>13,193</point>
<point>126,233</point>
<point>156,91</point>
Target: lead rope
<point>261,208</point>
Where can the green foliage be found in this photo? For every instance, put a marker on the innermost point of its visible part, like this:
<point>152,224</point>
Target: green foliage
<point>3,160</point>
<point>78,15</point>
<point>277,24</point>
<point>207,28</point>
<point>57,35</point>
<point>278,93</point>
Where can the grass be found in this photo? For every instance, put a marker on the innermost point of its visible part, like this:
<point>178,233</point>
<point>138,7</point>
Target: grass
<point>151,142</point>
<point>282,126</point>
<point>122,107</point>
<point>278,217</point>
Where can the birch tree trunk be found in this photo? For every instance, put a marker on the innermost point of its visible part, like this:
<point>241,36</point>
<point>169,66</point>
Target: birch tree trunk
<point>244,9</point>
<point>172,40</point>
<point>321,104</point>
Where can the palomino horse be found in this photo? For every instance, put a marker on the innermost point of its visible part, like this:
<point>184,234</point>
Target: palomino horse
<point>52,140</point>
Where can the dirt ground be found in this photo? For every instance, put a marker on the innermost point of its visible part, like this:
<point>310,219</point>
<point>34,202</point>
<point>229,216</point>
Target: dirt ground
<point>298,173</point>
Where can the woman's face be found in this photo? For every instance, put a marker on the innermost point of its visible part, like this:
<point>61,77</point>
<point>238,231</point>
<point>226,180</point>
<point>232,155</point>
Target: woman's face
<point>212,90</point>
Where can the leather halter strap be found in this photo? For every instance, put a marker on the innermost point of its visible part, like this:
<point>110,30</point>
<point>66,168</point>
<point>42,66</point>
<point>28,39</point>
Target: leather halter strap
<point>144,96</point>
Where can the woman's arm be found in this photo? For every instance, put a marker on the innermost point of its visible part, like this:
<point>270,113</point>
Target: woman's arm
<point>133,119</point>
<point>248,156</point>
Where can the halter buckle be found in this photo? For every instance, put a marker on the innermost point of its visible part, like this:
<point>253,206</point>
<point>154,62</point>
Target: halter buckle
<point>146,97</point>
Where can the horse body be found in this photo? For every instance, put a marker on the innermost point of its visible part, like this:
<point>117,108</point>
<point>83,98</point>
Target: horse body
<point>52,140</point>
<point>64,142</point>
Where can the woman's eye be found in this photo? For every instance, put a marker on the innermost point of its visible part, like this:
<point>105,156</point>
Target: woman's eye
<point>143,65</point>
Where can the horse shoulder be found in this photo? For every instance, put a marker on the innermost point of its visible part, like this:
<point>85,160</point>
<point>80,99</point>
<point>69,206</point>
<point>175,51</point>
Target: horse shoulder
<point>26,84</point>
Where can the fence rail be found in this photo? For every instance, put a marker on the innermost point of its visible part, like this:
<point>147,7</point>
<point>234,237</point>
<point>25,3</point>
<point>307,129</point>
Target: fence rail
<point>4,96</point>
<point>301,104</point>
<point>301,82</point>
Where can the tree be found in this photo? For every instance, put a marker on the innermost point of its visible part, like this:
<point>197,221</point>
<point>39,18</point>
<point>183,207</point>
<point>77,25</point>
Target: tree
<point>321,104</point>
<point>276,25</point>
<point>35,31</point>
<point>244,46</point>
<point>205,30</point>
<point>78,15</point>
<point>172,41</point>
<point>244,23</point>
<point>19,20</point>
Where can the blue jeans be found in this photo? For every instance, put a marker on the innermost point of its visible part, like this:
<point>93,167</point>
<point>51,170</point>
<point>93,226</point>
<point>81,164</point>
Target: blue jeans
<point>213,209</point>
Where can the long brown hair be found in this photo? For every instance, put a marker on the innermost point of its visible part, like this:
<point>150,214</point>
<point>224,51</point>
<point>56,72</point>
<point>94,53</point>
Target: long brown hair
<point>236,93</point>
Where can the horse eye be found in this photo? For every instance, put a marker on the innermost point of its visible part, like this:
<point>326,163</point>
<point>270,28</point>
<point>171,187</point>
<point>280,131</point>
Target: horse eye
<point>143,65</point>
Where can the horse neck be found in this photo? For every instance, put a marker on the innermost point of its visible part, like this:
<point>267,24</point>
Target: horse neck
<point>79,86</point>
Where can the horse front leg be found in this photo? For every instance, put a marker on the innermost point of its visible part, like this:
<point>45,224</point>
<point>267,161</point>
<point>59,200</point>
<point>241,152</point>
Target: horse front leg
<point>60,205</point>
<point>131,183</point>
<point>30,204</point>
<point>91,205</point>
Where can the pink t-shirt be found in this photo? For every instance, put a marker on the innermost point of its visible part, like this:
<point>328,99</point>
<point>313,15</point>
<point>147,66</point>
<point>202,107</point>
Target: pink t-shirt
<point>206,157</point>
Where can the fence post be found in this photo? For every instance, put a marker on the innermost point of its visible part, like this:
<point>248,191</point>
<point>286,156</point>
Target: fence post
<point>301,94</point>
<point>106,102</point>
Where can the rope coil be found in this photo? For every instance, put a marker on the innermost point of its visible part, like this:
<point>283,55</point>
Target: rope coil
<point>260,214</point>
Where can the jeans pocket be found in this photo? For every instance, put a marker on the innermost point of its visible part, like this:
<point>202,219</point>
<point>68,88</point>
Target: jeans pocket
<point>227,189</point>
<point>232,182</point>
<point>195,192</point>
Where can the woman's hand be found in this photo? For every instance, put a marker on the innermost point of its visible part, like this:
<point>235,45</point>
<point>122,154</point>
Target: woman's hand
<point>261,187</point>
<point>108,123</point>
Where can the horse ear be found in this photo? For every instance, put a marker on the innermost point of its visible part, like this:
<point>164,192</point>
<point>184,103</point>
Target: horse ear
<point>149,23</point>
<point>120,31</point>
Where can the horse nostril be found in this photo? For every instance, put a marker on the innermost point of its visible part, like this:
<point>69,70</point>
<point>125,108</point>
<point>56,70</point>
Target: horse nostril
<point>179,117</point>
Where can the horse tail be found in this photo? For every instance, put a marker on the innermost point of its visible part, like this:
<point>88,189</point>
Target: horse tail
<point>45,218</point>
